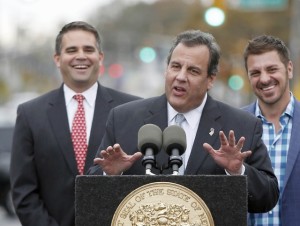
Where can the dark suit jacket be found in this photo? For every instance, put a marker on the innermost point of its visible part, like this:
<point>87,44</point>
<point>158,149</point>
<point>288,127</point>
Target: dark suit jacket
<point>43,165</point>
<point>125,121</point>
<point>291,188</point>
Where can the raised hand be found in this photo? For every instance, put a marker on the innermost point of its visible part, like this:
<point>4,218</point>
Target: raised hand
<point>114,160</point>
<point>229,156</point>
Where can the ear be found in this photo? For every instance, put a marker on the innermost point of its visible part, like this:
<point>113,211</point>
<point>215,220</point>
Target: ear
<point>211,80</point>
<point>101,58</point>
<point>56,59</point>
<point>289,69</point>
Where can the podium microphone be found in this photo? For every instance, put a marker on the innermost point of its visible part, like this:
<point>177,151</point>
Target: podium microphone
<point>149,143</point>
<point>174,143</point>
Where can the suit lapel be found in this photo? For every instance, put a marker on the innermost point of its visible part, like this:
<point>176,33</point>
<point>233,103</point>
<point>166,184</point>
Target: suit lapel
<point>102,108</point>
<point>158,115</point>
<point>294,146</point>
<point>208,132</point>
<point>58,118</point>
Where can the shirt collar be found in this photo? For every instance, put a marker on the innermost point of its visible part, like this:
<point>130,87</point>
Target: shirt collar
<point>192,117</point>
<point>89,95</point>
<point>289,110</point>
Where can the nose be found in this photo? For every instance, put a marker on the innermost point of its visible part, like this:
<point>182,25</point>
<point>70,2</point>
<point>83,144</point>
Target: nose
<point>80,54</point>
<point>181,76</point>
<point>264,77</point>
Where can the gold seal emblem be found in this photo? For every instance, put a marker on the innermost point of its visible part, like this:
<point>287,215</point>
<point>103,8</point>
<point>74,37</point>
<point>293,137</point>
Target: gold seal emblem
<point>162,203</point>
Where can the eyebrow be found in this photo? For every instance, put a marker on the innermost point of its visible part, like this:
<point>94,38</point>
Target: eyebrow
<point>84,47</point>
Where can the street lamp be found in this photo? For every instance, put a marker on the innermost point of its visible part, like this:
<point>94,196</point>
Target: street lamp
<point>215,12</point>
<point>214,16</point>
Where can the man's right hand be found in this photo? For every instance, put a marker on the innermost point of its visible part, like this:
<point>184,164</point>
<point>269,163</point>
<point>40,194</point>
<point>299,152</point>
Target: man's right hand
<point>114,161</point>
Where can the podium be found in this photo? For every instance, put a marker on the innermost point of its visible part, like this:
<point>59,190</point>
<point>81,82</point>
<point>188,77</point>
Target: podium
<point>99,200</point>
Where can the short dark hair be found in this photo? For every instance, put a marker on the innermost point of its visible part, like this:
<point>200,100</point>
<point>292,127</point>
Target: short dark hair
<point>266,43</point>
<point>77,25</point>
<point>192,38</point>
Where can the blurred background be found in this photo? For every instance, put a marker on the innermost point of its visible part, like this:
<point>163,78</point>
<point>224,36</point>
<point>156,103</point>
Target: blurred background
<point>137,35</point>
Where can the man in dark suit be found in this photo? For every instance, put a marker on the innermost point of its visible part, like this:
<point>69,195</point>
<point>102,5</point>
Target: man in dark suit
<point>270,71</point>
<point>43,162</point>
<point>191,70</point>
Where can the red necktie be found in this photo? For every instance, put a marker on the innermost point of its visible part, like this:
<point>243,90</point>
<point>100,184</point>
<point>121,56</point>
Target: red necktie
<point>79,134</point>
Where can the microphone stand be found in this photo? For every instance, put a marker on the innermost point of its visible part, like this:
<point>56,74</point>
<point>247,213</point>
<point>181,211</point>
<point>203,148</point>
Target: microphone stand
<point>175,161</point>
<point>148,161</point>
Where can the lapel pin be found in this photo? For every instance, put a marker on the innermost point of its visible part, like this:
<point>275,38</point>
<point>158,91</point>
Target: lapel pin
<point>212,130</point>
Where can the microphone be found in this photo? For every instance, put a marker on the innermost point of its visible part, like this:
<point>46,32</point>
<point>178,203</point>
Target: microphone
<point>149,143</point>
<point>174,143</point>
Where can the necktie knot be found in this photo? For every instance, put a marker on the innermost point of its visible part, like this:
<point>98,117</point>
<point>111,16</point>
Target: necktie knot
<point>179,119</point>
<point>79,98</point>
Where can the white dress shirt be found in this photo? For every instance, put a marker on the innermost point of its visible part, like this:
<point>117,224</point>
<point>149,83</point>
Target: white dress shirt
<point>190,125</point>
<point>88,103</point>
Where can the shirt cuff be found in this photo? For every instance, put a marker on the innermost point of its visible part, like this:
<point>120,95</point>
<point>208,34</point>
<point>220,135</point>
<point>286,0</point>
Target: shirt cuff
<point>242,171</point>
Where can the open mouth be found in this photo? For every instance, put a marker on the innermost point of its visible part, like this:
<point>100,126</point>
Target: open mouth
<point>80,67</point>
<point>268,88</point>
<point>179,90</point>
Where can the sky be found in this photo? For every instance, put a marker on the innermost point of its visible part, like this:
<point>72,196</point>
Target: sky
<point>41,16</point>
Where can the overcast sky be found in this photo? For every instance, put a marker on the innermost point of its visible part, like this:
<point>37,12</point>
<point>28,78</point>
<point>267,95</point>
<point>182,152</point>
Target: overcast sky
<point>41,16</point>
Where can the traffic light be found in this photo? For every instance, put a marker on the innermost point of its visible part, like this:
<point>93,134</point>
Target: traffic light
<point>236,82</point>
<point>147,54</point>
<point>215,14</point>
<point>115,70</point>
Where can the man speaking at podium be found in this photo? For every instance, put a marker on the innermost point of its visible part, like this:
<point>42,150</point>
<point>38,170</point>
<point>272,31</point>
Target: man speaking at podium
<point>220,139</point>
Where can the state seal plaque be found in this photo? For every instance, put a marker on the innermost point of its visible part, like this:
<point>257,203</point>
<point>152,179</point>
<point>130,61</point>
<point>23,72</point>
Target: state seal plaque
<point>162,203</point>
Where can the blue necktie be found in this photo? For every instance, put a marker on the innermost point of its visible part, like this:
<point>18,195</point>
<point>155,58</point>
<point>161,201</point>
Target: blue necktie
<point>179,119</point>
